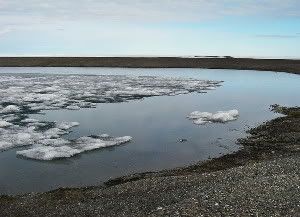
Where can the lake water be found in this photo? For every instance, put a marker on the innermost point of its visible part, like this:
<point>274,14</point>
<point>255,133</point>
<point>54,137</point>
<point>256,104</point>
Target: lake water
<point>156,125</point>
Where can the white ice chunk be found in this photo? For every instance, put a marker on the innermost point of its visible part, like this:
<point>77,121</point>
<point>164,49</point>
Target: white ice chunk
<point>104,136</point>
<point>54,142</point>
<point>48,89</point>
<point>55,148</point>
<point>5,145</point>
<point>73,107</point>
<point>24,138</point>
<point>30,120</point>
<point>54,133</point>
<point>10,109</point>
<point>201,118</point>
<point>197,115</point>
<point>48,152</point>
<point>9,117</point>
<point>67,125</point>
<point>5,124</point>
<point>17,136</point>
<point>88,143</point>
<point>210,88</point>
<point>37,97</point>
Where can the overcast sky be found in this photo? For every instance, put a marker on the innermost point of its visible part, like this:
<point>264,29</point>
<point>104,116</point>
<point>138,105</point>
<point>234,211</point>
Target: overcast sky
<point>262,28</point>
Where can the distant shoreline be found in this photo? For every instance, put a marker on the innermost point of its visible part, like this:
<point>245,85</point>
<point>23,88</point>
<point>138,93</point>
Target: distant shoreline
<point>278,65</point>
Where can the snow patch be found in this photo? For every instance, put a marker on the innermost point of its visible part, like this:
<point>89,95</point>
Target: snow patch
<point>201,118</point>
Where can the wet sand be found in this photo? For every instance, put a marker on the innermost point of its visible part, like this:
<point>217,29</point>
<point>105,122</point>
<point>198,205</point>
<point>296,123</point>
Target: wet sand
<point>279,65</point>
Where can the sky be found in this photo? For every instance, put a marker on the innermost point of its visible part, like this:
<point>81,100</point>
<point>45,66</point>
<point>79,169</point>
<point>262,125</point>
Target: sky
<point>247,28</point>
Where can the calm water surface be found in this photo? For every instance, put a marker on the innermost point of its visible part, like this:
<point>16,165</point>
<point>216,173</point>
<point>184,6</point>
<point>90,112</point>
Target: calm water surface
<point>156,124</point>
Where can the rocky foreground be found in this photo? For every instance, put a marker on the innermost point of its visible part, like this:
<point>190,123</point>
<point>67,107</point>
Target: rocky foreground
<point>262,179</point>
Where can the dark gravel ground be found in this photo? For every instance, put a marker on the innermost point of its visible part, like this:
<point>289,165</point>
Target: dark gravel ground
<point>278,65</point>
<point>270,188</point>
<point>262,179</point>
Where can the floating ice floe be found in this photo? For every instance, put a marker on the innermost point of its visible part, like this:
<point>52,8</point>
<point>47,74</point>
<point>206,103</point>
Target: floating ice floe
<point>48,152</point>
<point>4,124</point>
<point>23,94</point>
<point>73,107</point>
<point>53,149</point>
<point>201,118</point>
<point>67,125</point>
<point>10,109</point>
<point>29,120</point>
<point>17,135</point>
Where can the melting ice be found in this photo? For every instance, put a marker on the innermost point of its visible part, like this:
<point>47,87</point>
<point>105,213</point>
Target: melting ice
<point>23,94</point>
<point>60,148</point>
<point>200,118</point>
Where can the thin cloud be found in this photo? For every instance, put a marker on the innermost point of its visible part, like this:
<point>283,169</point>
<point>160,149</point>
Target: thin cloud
<point>56,13</point>
<point>4,31</point>
<point>130,26</point>
<point>297,35</point>
<point>147,10</point>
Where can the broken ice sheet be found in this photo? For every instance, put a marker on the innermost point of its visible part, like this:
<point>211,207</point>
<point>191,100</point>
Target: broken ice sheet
<point>23,94</point>
<point>17,135</point>
<point>35,92</point>
<point>201,118</point>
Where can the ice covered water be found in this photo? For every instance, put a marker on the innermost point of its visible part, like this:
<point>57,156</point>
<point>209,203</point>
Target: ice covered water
<point>23,94</point>
<point>155,125</point>
<point>31,92</point>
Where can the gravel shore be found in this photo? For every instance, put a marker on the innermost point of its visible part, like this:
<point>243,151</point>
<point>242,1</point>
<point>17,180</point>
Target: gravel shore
<point>269,188</point>
<point>262,179</point>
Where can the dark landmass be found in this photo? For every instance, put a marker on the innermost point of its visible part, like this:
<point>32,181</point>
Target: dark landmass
<point>262,179</point>
<point>279,65</point>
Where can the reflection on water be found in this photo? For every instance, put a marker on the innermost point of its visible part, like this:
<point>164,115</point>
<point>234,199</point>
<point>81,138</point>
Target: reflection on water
<point>156,125</point>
